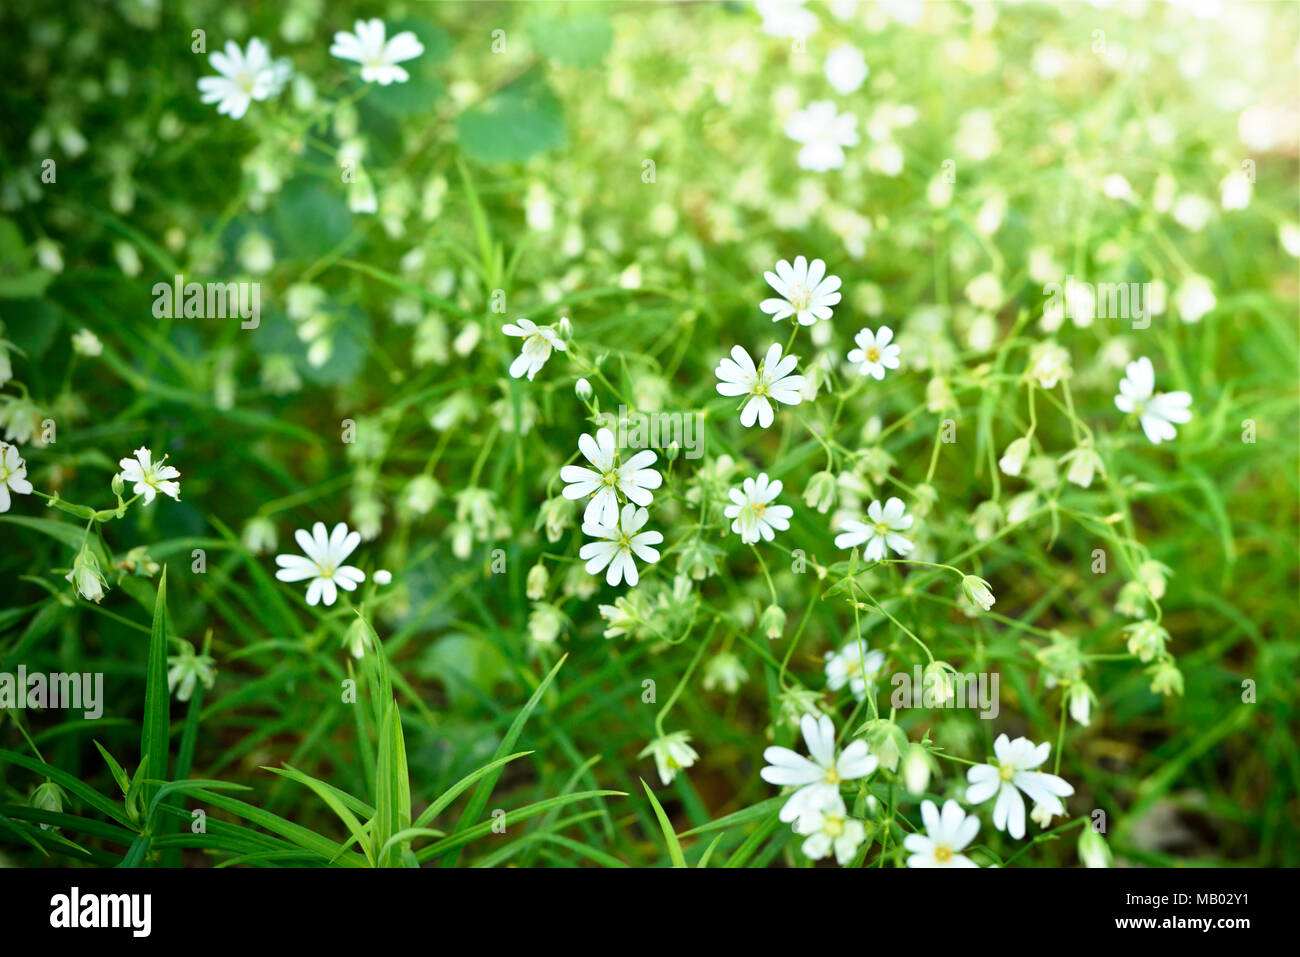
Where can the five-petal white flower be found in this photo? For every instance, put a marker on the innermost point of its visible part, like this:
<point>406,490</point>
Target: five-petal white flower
<point>946,835</point>
<point>244,76</point>
<point>538,343</point>
<point>1014,769</point>
<point>855,666</point>
<point>378,57</point>
<point>150,477</point>
<point>324,562</point>
<point>882,530</point>
<point>769,381</point>
<point>1157,411</point>
<point>829,828</point>
<point>752,512</point>
<point>634,479</point>
<point>13,475</point>
<point>619,541</point>
<point>807,293</point>
<point>819,774</point>
<point>824,132</point>
<point>875,353</point>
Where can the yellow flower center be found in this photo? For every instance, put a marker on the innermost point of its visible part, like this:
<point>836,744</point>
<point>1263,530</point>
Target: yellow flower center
<point>833,826</point>
<point>832,776</point>
<point>1006,772</point>
<point>800,298</point>
<point>942,854</point>
<point>873,354</point>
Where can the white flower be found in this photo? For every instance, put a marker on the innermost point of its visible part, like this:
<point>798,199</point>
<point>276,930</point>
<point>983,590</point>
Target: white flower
<point>378,57</point>
<point>883,530</point>
<point>807,293</point>
<point>855,666</point>
<point>85,575</point>
<point>978,591</point>
<point>245,76</point>
<point>753,515</point>
<point>771,380</point>
<point>383,577</point>
<point>1049,364</point>
<point>633,479</point>
<point>619,542</point>
<point>150,477</point>
<point>1084,464</point>
<point>946,835</point>
<point>538,343</point>
<point>824,132</point>
<point>1288,235</point>
<point>1194,298</point>
<point>13,475</point>
<point>1156,411</point>
<point>846,68</point>
<point>819,774</point>
<point>1234,191</point>
<point>188,669</point>
<point>672,753</point>
<point>324,562</point>
<point>1014,770</point>
<point>786,18</point>
<point>829,828</point>
<point>875,353</point>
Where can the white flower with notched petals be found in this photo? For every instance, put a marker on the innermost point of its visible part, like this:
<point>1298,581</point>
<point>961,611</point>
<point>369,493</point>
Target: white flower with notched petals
<point>854,665</point>
<point>619,541</point>
<point>807,293</point>
<point>1157,411</point>
<point>769,381</point>
<point>946,835</point>
<point>1011,773</point>
<point>875,352</point>
<point>752,512</point>
<point>13,475</point>
<point>818,775</point>
<point>828,827</point>
<point>824,132</point>
<point>324,562</point>
<point>245,76</point>
<point>880,532</point>
<point>148,477</point>
<point>538,343</point>
<point>607,479</point>
<point>378,56</point>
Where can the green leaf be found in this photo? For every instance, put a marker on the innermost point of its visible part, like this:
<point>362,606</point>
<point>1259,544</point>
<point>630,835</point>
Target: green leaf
<point>520,121</point>
<point>577,41</point>
<point>155,733</point>
<point>670,836</point>
<point>310,218</point>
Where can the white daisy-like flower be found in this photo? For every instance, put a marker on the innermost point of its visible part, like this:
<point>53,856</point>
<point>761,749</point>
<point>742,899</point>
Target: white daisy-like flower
<point>672,753</point>
<point>13,475</point>
<point>148,477</point>
<point>946,835</point>
<point>245,76</point>
<point>880,532</point>
<point>771,380</point>
<point>819,774</point>
<point>824,132</point>
<point>324,562</point>
<point>538,343</point>
<point>1157,411</point>
<point>1012,773</point>
<point>829,828</point>
<point>603,483</point>
<point>846,68</point>
<point>619,541</point>
<point>875,352</point>
<point>807,293</point>
<point>378,56</point>
<point>853,665</point>
<point>752,512</point>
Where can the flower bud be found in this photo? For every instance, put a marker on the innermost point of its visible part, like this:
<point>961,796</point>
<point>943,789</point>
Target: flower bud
<point>86,577</point>
<point>48,797</point>
<point>1013,460</point>
<point>978,591</point>
<point>1084,463</point>
<point>119,485</point>
<point>535,585</point>
<point>1079,698</point>
<point>259,535</point>
<point>1147,640</point>
<point>1166,679</point>
<point>772,622</point>
<point>916,770</point>
<point>1093,849</point>
<point>820,493</point>
<point>582,388</point>
<point>886,741</point>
